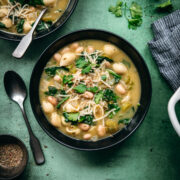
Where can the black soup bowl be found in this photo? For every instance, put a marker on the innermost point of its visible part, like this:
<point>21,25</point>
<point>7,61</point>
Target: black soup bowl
<point>146,90</point>
<point>65,16</point>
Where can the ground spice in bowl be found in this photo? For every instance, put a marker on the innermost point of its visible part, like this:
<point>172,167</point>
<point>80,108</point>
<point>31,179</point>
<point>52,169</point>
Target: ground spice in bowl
<point>10,155</point>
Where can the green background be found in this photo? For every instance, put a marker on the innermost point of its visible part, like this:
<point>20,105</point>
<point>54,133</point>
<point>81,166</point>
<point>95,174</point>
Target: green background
<point>152,152</point>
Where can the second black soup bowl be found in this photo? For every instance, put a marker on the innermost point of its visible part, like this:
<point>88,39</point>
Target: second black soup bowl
<point>118,137</point>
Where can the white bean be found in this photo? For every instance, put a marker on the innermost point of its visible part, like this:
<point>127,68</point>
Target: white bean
<point>84,127</point>
<point>57,78</point>
<point>87,136</point>
<point>52,100</point>
<point>74,45</point>
<point>79,50</point>
<point>50,3</point>
<point>88,95</point>
<point>120,89</point>
<point>70,108</point>
<point>109,49</point>
<point>47,107</point>
<point>101,130</point>
<point>65,50</point>
<point>67,59</point>
<point>119,68</point>
<point>107,64</point>
<point>55,119</point>
<point>57,57</point>
<point>90,49</point>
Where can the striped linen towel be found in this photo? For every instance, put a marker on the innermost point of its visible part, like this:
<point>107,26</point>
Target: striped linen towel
<point>165,47</point>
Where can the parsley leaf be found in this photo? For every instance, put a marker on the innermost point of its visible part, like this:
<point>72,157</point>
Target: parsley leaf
<point>67,79</point>
<point>93,89</point>
<point>81,88</point>
<point>116,76</point>
<point>98,97</point>
<point>52,91</point>
<point>51,71</point>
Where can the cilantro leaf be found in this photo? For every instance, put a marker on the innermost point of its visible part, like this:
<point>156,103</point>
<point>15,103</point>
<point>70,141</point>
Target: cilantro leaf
<point>81,88</point>
<point>61,102</point>
<point>52,91</point>
<point>98,97</point>
<point>116,76</point>
<point>167,5</point>
<point>51,71</point>
<point>135,10</point>
<point>67,79</point>
<point>134,23</point>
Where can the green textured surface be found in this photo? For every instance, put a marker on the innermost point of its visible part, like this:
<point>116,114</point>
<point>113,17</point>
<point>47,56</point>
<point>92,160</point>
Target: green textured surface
<point>152,152</point>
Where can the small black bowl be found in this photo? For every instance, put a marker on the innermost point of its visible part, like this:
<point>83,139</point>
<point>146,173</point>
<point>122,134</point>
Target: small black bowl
<point>17,37</point>
<point>12,173</point>
<point>146,90</point>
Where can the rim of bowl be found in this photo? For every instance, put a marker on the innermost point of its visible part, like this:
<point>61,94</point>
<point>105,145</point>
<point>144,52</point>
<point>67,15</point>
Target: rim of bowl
<point>71,138</point>
<point>22,145</point>
<point>55,26</point>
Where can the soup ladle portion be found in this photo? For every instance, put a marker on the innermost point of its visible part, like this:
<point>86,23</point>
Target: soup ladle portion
<point>16,90</point>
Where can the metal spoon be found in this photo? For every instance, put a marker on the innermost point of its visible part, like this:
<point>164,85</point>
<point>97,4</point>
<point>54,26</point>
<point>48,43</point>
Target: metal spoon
<point>16,90</point>
<point>27,39</point>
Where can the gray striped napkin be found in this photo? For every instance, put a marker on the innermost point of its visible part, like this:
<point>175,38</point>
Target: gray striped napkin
<point>165,47</point>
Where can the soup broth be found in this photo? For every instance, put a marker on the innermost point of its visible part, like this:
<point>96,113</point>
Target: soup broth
<point>90,90</point>
<point>18,16</point>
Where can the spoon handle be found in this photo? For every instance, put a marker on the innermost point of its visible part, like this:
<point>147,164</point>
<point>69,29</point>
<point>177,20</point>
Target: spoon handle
<point>34,142</point>
<point>27,39</point>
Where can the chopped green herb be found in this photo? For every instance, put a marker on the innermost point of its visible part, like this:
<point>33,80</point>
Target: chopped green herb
<point>93,89</point>
<point>98,97</point>
<point>61,102</point>
<point>51,71</point>
<point>103,77</point>
<point>116,76</point>
<point>109,96</point>
<point>87,69</point>
<point>43,25</point>
<point>19,26</point>
<point>167,5</point>
<point>134,23</point>
<point>124,121</point>
<point>135,10</point>
<point>112,9</point>
<point>81,62</point>
<point>52,91</point>
<point>71,117</point>
<point>100,59</point>
<point>116,10</point>
<point>81,88</point>
<point>126,63</point>
<point>2,25</point>
<point>87,119</point>
<point>67,79</point>
<point>113,106</point>
<point>119,3</point>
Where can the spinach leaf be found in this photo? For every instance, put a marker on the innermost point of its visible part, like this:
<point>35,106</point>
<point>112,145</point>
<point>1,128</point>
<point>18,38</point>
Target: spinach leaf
<point>81,62</point>
<point>100,59</point>
<point>2,25</point>
<point>167,5</point>
<point>71,117</point>
<point>87,69</point>
<point>124,121</point>
<point>52,91</point>
<point>68,80</point>
<point>19,25</point>
<point>116,76</point>
<point>113,106</point>
<point>98,97</point>
<point>51,71</point>
<point>109,96</point>
<point>61,102</point>
<point>43,26</point>
<point>93,89</point>
<point>87,119</point>
<point>81,88</point>
<point>103,77</point>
